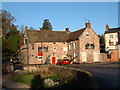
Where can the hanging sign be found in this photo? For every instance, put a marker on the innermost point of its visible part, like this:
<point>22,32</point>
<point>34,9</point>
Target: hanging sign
<point>40,55</point>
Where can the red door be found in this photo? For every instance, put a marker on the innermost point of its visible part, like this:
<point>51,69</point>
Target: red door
<point>53,60</point>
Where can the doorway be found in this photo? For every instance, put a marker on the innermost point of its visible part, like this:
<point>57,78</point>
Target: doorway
<point>53,60</point>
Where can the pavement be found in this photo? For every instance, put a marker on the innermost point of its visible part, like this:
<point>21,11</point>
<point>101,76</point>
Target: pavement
<point>7,82</point>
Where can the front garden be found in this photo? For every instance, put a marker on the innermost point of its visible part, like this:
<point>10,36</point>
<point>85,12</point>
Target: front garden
<point>55,77</point>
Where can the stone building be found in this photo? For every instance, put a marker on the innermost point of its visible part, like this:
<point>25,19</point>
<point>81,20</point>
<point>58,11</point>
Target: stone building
<point>42,45</point>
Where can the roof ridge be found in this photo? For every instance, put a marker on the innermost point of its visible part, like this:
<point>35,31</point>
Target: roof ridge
<point>32,30</point>
<point>79,30</point>
<point>45,30</point>
<point>114,28</point>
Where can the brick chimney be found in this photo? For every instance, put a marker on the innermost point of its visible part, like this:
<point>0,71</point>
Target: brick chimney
<point>67,29</point>
<point>107,27</point>
<point>26,28</point>
<point>88,25</point>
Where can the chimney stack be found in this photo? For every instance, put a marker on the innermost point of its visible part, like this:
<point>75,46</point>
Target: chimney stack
<point>107,27</point>
<point>26,28</point>
<point>88,25</point>
<point>67,29</point>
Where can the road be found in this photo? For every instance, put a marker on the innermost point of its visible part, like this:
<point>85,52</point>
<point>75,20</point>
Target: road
<point>106,76</point>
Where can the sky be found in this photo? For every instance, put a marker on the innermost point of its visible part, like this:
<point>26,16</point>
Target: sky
<point>72,15</point>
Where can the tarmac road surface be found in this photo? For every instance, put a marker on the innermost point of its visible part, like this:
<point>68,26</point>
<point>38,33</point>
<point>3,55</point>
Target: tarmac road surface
<point>106,76</point>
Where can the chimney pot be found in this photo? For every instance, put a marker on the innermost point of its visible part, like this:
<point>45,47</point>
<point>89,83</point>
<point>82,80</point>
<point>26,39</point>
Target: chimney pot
<point>67,29</point>
<point>26,27</point>
<point>107,27</point>
<point>88,25</point>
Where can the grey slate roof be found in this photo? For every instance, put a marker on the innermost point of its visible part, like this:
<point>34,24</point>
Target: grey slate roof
<point>74,35</point>
<point>47,36</point>
<point>112,30</point>
<point>52,36</point>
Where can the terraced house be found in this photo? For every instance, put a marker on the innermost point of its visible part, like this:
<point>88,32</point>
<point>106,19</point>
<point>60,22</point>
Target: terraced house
<point>43,45</point>
<point>112,42</point>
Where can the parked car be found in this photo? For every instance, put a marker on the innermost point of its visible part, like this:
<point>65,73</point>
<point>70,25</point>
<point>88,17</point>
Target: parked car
<point>64,61</point>
<point>15,61</point>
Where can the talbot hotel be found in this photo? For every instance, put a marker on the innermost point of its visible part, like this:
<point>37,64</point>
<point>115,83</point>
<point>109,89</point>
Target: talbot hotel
<point>44,46</point>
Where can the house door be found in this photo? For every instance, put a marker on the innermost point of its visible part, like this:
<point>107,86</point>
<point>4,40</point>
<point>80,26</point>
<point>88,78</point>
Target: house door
<point>84,57</point>
<point>53,60</point>
<point>96,57</point>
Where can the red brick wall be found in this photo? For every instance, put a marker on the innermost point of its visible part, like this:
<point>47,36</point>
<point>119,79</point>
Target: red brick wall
<point>114,56</point>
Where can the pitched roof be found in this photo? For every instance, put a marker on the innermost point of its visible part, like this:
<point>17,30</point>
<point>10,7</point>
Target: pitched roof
<point>52,36</point>
<point>47,36</point>
<point>112,30</point>
<point>74,35</point>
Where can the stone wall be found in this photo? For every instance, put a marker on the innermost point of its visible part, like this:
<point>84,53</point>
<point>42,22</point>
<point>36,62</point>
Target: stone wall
<point>89,55</point>
<point>56,49</point>
<point>66,71</point>
<point>24,54</point>
<point>73,50</point>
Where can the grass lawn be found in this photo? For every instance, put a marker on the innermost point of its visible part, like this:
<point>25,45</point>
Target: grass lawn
<point>32,80</point>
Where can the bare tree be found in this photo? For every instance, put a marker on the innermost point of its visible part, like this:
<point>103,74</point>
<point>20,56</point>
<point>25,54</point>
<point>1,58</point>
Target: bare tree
<point>7,20</point>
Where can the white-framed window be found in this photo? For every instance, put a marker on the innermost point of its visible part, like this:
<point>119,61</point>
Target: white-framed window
<point>39,57</point>
<point>54,48</point>
<point>50,43</point>
<point>74,54</point>
<point>89,46</point>
<point>54,42</point>
<point>74,45</point>
<point>111,43</point>
<point>64,48</point>
<point>63,42</point>
<point>87,35</point>
<point>116,35</point>
<point>116,43</point>
<point>111,36</point>
<point>69,46</point>
<point>32,46</point>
